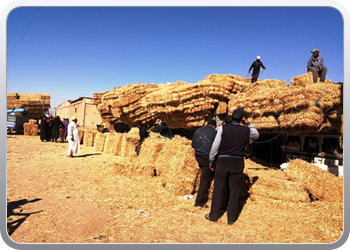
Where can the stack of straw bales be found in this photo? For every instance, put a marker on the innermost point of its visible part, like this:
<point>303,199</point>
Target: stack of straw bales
<point>171,160</point>
<point>304,107</point>
<point>271,105</point>
<point>179,105</point>
<point>30,128</point>
<point>35,104</point>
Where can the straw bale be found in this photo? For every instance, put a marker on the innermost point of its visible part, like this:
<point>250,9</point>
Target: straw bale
<point>321,184</point>
<point>222,108</point>
<point>32,121</point>
<point>179,168</point>
<point>112,143</point>
<point>89,136</point>
<point>267,84</point>
<point>313,117</point>
<point>127,148</point>
<point>81,134</point>
<point>99,141</point>
<point>280,190</point>
<point>30,129</point>
<point>265,122</point>
<point>302,80</point>
<point>151,149</point>
<point>124,166</point>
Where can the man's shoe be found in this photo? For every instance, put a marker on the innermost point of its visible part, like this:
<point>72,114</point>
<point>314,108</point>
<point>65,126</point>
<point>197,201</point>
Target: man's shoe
<point>202,206</point>
<point>208,218</point>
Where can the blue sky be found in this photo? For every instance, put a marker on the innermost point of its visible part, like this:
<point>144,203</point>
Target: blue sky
<point>71,52</point>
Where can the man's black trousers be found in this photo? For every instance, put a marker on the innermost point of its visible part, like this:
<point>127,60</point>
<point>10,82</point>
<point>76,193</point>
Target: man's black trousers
<point>228,170</point>
<point>255,76</point>
<point>207,177</point>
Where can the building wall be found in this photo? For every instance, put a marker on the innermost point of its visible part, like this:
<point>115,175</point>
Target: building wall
<point>84,109</point>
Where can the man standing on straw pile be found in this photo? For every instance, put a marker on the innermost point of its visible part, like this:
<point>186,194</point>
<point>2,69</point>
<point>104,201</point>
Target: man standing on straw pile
<point>73,137</point>
<point>143,135</point>
<point>202,141</point>
<point>316,66</point>
<point>256,69</point>
<point>229,145</point>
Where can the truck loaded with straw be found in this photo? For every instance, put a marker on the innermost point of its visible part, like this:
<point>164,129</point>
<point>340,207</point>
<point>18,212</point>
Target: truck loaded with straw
<point>278,110</point>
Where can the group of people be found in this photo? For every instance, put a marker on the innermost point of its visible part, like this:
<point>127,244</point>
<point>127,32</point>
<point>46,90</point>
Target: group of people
<point>220,155</point>
<point>50,129</point>
<point>315,65</point>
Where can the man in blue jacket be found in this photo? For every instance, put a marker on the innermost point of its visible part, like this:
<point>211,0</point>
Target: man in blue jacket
<point>229,148</point>
<point>316,65</point>
<point>202,140</point>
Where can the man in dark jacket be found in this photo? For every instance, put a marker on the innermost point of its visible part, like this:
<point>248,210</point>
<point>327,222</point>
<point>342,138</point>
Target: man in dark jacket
<point>143,135</point>
<point>229,146</point>
<point>256,68</point>
<point>202,140</point>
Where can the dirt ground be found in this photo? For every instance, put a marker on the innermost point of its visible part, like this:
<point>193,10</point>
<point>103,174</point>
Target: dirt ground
<point>55,199</point>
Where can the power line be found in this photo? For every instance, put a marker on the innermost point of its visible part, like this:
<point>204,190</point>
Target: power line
<point>24,33</point>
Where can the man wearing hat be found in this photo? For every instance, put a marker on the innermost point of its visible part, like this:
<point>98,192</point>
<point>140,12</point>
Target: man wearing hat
<point>73,137</point>
<point>316,65</point>
<point>202,140</point>
<point>229,146</point>
<point>256,69</point>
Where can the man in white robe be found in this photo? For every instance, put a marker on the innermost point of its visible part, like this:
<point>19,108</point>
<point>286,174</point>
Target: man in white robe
<point>73,137</point>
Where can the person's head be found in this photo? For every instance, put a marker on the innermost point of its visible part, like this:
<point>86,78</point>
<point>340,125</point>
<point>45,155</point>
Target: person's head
<point>258,58</point>
<point>212,122</point>
<point>139,124</point>
<point>74,119</point>
<point>315,52</point>
<point>238,114</point>
<point>228,119</point>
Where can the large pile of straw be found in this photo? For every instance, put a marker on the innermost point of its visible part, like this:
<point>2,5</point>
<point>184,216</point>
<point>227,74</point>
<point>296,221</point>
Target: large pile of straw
<point>179,105</point>
<point>270,105</point>
<point>35,104</point>
<point>303,107</point>
<point>302,187</point>
<point>172,163</point>
<point>172,160</point>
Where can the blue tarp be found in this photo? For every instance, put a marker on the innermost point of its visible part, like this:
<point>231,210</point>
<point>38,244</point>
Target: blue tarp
<point>20,110</point>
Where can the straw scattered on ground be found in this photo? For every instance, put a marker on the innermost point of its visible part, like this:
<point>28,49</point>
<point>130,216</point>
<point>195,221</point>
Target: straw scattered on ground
<point>103,197</point>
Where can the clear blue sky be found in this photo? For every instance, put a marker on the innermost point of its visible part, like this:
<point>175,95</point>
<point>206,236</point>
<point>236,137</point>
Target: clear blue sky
<point>72,52</point>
